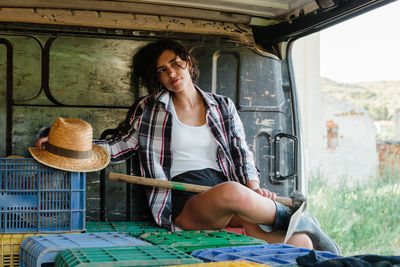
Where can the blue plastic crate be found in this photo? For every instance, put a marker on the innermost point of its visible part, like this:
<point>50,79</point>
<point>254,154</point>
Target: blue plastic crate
<point>273,254</point>
<point>36,250</point>
<point>38,199</point>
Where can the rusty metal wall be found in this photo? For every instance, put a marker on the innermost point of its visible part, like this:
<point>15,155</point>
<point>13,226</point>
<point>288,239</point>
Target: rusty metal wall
<point>3,100</point>
<point>88,77</point>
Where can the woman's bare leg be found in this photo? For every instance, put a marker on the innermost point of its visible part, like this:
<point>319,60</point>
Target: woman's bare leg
<point>215,208</point>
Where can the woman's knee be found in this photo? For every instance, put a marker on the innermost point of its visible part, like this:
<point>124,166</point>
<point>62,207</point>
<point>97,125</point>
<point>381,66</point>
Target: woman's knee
<point>233,193</point>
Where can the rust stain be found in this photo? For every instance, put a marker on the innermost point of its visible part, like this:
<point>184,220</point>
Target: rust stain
<point>332,141</point>
<point>389,156</point>
<point>250,99</point>
<point>350,113</point>
<point>331,124</point>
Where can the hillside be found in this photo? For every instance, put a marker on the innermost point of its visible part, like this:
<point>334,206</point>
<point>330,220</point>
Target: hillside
<point>380,98</point>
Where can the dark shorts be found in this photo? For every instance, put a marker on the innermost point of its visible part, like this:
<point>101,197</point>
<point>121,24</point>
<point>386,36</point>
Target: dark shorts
<point>208,177</point>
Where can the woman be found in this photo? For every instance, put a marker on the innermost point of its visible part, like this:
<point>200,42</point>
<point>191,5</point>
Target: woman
<point>184,134</point>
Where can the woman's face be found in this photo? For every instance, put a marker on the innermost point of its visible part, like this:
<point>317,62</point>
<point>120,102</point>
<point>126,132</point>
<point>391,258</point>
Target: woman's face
<point>173,72</point>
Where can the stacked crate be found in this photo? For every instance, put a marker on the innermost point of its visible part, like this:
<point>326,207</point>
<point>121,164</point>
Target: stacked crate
<point>134,229</point>
<point>35,199</point>
<point>38,205</point>
<point>43,249</point>
<point>9,250</point>
<point>124,256</point>
<point>189,241</point>
<point>272,254</point>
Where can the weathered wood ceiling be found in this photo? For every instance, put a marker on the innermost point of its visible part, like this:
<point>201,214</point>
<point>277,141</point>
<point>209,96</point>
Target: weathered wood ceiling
<point>236,11</point>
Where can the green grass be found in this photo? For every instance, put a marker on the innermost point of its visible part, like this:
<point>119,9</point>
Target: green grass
<point>361,219</point>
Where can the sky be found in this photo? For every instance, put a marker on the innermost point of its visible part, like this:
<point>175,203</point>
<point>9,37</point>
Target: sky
<point>365,48</point>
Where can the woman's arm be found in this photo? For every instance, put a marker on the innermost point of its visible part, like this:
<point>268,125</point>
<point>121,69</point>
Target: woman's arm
<point>126,143</point>
<point>121,147</point>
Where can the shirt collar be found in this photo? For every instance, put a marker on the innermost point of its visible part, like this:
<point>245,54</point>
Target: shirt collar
<point>165,98</point>
<point>210,101</point>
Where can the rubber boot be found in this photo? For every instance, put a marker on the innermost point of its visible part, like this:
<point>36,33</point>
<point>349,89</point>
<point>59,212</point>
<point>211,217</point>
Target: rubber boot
<point>282,217</point>
<point>307,224</point>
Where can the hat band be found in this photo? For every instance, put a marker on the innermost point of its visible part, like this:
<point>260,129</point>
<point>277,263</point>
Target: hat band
<point>74,154</point>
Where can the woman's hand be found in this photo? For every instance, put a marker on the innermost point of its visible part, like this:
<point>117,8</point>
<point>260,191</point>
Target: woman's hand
<point>265,193</point>
<point>40,143</point>
<point>255,186</point>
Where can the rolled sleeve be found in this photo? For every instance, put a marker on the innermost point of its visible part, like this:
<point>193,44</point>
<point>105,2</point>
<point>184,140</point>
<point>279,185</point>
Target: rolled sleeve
<point>124,146</point>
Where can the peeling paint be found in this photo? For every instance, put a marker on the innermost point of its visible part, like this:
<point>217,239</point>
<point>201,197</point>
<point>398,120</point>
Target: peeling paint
<point>105,19</point>
<point>265,122</point>
<point>250,99</point>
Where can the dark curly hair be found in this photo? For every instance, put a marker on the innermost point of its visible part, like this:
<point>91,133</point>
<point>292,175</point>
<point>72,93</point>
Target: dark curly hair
<point>145,60</point>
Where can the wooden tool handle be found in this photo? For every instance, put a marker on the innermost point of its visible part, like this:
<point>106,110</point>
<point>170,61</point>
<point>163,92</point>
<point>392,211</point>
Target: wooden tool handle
<point>157,183</point>
<point>175,185</point>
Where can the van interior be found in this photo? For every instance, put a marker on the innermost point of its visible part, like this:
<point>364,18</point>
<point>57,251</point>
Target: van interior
<point>75,58</point>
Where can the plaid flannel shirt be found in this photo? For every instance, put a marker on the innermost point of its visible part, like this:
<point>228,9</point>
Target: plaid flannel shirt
<point>150,136</point>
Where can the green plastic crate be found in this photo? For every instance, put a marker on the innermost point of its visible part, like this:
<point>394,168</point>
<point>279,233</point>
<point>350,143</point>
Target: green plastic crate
<point>188,241</point>
<point>134,229</point>
<point>123,256</point>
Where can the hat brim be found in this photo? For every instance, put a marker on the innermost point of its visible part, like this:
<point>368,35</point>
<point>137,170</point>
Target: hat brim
<point>99,160</point>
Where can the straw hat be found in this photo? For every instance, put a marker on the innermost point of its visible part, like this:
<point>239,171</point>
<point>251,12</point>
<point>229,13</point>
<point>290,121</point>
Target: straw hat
<point>70,148</point>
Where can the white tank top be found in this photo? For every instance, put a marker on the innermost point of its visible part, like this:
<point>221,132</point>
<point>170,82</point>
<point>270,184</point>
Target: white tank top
<point>193,147</point>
